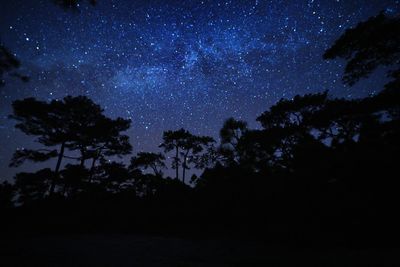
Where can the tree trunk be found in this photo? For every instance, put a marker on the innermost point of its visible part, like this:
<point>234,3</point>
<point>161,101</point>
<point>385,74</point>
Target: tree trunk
<point>64,190</point>
<point>184,167</point>
<point>156,173</point>
<point>184,170</point>
<point>92,169</point>
<point>83,158</point>
<point>57,170</point>
<point>177,163</point>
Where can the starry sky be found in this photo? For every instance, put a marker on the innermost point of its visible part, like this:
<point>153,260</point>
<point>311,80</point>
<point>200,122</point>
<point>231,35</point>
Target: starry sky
<point>172,64</point>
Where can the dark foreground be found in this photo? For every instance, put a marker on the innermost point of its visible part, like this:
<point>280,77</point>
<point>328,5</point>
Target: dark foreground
<point>132,250</point>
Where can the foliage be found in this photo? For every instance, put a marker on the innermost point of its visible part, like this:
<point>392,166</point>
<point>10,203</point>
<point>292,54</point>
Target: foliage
<point>370,44</point>
<point>9,64</point>
<point>146,160</point>
<point>32,187</point>
<point>74,123</point>
<point>187,148</point>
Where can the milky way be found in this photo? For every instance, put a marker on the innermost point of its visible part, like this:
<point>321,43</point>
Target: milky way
<point>171,64</point>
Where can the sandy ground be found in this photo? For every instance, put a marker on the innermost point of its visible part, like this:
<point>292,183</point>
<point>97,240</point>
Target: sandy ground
<point>128,250</point>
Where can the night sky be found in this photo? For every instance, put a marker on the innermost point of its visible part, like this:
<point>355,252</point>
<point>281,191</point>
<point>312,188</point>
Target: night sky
<point>171,64</point>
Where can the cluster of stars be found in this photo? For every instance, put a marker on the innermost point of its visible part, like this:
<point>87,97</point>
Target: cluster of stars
<point>172,64</point>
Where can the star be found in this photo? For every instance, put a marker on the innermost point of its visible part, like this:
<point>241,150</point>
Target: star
<point>171,64</point>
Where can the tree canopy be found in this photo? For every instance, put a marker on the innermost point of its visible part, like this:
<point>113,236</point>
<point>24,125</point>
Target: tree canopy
<point>370,44</point>
<point>74,123</point>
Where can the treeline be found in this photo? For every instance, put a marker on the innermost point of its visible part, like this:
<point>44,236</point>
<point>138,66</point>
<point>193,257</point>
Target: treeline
<point>315,160</point>
<point>75,128</point>
<point>303,134</point>
<point>317,166</point>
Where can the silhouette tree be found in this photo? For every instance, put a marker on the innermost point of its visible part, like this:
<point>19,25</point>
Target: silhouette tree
<point>73,179</point>
<point>211,156</point>
<point>83,117</point>
<point>187,148</point>
<point>284,125</point>
<point>113,176</point>
<point>40,155</point>
<point>230,134</point>
<point>49,123</point>
<point>340,120</point>
<point>146,160</point>
<point>294,112</point>
<point>191,148</point>
<point>54,125</point>
<point>33,187</point>
<point>106,139</point>
<point>74,123</point>
<point>9,64</point>
<point>175,140</point>
<point>373,43</point>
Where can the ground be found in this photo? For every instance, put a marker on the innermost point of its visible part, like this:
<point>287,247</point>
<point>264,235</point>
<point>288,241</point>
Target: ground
<point>133,250</point>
